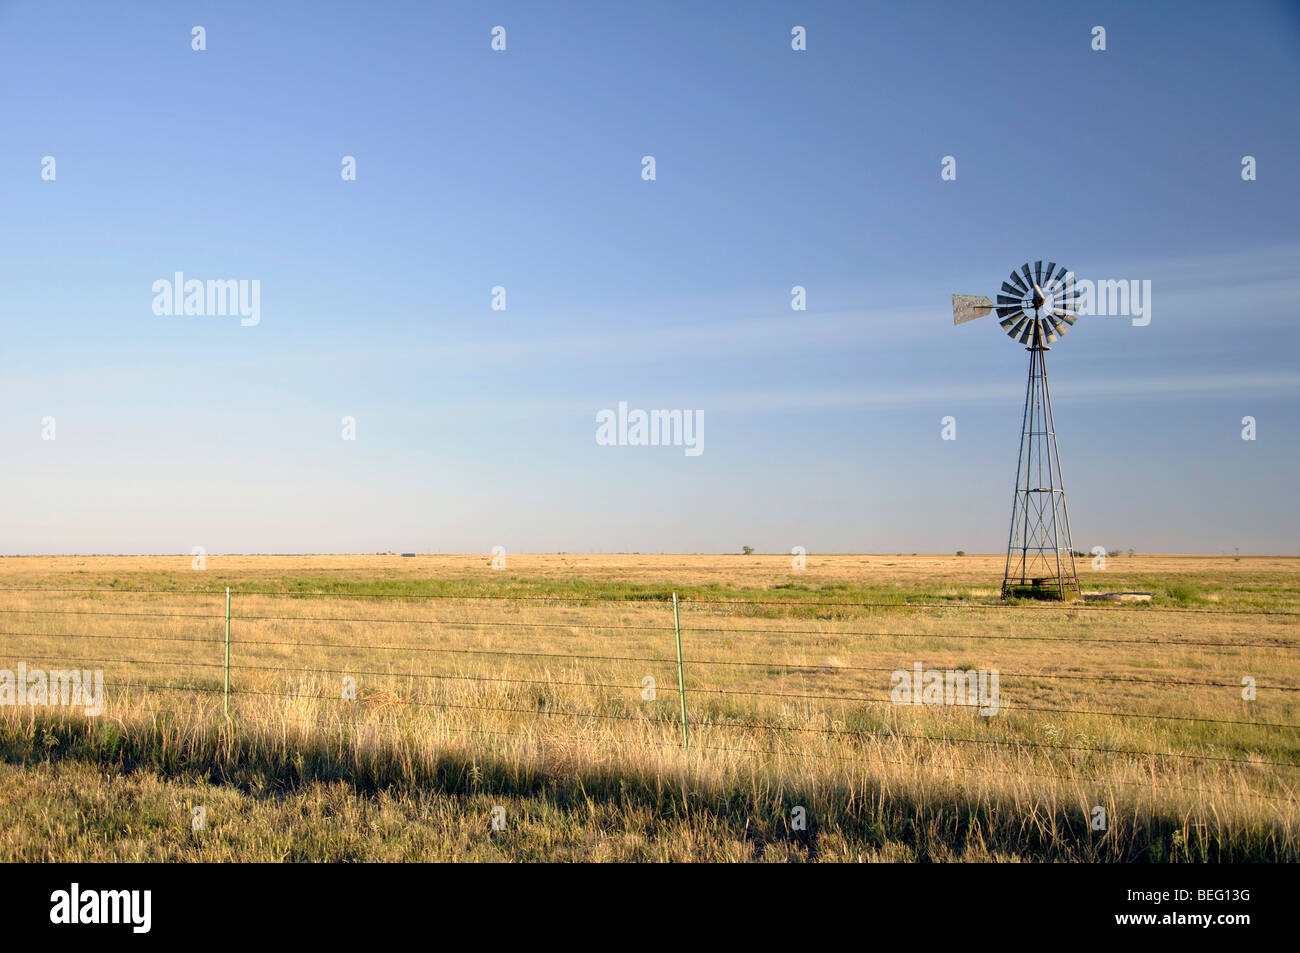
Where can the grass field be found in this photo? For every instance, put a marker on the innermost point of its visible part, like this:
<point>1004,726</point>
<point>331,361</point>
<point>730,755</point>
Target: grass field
<point>525,690</point>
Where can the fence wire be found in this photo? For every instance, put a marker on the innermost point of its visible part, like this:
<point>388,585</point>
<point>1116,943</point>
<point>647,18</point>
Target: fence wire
<point>242,647</point>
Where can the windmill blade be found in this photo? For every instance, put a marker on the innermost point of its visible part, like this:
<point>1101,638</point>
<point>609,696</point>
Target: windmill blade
<point>1009,300</point>
<point>1008,288</point>
<point>1065,316</point>
<point>1057,326</point>
<point>1047,275</point>
<point>1019,284</point>
<point>1028,332</point>
<point>1029,279</point>
<point>969,307</point>
<point>1038,273</point>
<point>1017,327</point>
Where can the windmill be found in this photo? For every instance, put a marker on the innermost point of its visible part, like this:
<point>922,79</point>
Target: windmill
<point>1035,307</point>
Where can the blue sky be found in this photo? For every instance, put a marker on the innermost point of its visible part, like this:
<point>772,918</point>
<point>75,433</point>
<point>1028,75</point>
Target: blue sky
<point>522,168</point>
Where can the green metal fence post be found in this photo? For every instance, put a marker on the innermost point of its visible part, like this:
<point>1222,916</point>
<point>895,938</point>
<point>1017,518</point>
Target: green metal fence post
<point>681,674</point>
<point>227,695</point>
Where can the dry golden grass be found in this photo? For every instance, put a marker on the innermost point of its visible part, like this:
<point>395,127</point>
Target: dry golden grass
<point>536,700</point>
<point>697,569</point>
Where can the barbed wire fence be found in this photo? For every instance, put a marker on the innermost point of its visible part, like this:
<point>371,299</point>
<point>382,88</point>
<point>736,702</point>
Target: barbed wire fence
<point>237,652</point>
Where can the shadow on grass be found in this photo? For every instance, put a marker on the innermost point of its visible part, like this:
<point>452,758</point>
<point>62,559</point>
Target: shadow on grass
<point>864,819</point>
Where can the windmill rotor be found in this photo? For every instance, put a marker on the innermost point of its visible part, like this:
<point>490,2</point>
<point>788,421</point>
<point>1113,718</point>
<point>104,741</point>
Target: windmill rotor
<point>1035,305</point>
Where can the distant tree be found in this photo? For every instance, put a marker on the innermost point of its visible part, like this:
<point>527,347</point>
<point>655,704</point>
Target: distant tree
<point>747,550</point>
<point>961,552</point>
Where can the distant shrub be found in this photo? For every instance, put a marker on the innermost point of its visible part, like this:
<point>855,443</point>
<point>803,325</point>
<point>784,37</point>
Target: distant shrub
<point>1181,592</point>
<point>961,552</point>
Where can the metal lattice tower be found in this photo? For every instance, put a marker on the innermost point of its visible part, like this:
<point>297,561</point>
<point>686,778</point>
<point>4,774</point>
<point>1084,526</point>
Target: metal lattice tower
<point>1039,551</point>
<point>1035,308</point>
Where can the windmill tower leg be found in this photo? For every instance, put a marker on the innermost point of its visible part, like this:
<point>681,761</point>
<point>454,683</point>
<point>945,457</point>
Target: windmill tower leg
<point>1066,573</point>
<point>1040,552</point>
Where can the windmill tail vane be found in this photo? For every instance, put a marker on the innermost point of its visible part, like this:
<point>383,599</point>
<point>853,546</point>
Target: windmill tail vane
<point>1035,307</point>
